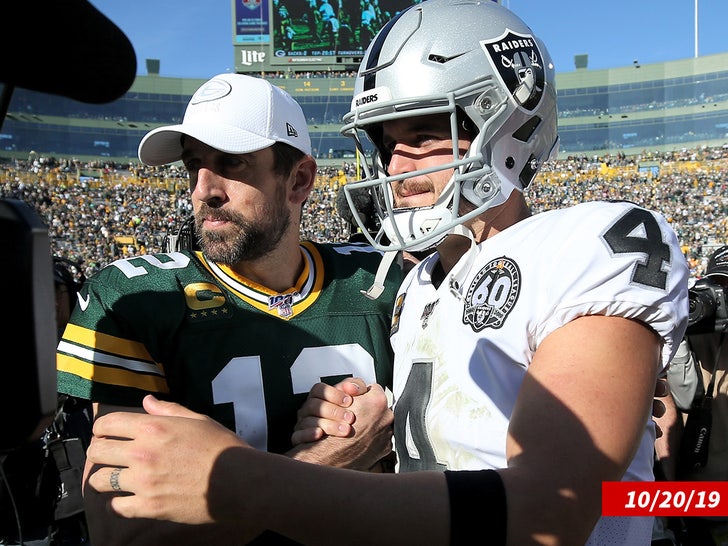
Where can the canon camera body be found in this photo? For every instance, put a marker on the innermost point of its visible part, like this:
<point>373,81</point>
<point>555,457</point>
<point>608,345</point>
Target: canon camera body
<point>708,311</point>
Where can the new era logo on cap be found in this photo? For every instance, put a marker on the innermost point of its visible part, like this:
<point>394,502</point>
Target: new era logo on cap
<point>291,130</point>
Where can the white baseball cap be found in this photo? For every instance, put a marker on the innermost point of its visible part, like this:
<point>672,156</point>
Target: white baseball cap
<point>233,113</point>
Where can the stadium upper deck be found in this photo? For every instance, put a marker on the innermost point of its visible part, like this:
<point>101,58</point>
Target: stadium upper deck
<point>662,107</point>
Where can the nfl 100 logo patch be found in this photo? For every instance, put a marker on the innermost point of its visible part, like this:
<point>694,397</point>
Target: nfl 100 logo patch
<point>283,303</point>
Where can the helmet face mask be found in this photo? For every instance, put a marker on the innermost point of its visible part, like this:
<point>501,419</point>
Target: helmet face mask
<point>478,63</point>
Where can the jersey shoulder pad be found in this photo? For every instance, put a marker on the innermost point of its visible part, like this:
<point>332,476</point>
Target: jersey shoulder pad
<point>357,263</point>
<point>149,271</point>
<point>348,255</point>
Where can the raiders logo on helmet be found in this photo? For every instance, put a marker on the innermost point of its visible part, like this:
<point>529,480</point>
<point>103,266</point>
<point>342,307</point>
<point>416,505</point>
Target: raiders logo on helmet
<point>519,63</point>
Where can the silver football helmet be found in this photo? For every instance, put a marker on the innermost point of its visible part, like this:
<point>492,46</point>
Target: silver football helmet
<point>478,62</point>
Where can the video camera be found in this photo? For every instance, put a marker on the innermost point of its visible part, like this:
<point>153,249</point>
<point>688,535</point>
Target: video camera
<point>89,46</point>
<point>708,311</point>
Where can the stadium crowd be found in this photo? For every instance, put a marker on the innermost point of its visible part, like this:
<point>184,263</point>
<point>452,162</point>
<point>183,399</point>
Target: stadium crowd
<point>98,212</point>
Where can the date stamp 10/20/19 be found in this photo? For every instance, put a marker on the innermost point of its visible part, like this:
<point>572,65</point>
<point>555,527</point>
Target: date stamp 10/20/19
<point>705,499</point>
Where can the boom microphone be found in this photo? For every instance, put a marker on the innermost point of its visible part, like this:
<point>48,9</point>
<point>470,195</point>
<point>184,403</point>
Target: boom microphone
<point>364,207</point>
<point>66,48</point>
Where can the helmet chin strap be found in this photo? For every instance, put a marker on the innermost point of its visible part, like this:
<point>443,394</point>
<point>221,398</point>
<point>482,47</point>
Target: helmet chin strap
<point>376,289</point>
<point>460,229</point>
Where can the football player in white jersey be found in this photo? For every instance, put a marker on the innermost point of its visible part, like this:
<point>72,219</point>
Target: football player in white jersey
<point>526,347</point>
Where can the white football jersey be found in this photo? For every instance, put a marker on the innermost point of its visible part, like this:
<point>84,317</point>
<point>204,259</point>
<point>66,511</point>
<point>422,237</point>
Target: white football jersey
<point>463,348</point>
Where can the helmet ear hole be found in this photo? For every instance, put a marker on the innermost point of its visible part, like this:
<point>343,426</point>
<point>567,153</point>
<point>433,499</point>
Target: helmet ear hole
<point>524,132</point>
<point>510,162</point>
<point>466,124</point>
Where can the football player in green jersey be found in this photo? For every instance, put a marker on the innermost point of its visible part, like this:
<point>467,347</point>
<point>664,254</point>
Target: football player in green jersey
<point>243,328</point>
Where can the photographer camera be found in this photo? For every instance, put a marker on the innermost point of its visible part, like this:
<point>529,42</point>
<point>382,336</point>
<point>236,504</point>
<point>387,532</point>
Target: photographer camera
<point>41,502</point>
<point>40,488</point>
<point>708,312</point>
<point>699,386</point>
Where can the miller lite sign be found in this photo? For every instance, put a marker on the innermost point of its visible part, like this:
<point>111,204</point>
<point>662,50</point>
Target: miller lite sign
<point>251,57</point>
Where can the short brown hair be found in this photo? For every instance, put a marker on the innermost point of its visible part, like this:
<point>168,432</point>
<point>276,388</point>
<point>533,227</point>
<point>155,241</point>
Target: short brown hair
<point>285,157</point>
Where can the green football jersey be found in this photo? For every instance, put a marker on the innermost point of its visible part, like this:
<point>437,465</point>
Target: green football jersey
<point>194,332</point>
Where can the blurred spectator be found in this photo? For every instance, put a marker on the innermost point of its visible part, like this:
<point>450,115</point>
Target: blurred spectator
<point>131,209</point>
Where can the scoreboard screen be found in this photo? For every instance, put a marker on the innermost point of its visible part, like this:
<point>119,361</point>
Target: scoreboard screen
<point>307,34</point>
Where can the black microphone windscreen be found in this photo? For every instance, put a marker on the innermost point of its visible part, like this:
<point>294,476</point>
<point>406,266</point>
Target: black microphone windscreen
<point>362,201</point>
<point>67,48</point>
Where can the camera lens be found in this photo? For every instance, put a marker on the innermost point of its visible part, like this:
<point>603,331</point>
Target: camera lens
<point>701,304</point>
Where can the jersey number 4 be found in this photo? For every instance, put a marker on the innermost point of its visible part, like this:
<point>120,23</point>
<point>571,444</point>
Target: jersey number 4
<point>638,232</point>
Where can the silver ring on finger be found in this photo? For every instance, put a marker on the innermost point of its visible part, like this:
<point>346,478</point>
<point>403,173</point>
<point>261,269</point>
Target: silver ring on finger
<point>114,479</point>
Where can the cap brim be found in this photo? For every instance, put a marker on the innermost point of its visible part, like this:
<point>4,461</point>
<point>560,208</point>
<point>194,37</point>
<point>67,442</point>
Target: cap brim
<point>161,146</point>
<point>164,144</point>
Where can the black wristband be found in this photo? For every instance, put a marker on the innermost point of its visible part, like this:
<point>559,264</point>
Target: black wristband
<point>477,502</point>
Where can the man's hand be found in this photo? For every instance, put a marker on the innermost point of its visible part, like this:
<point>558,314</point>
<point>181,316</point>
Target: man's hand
<point>166,458</point>
<point>326,411</point>
<point>348,425</point>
